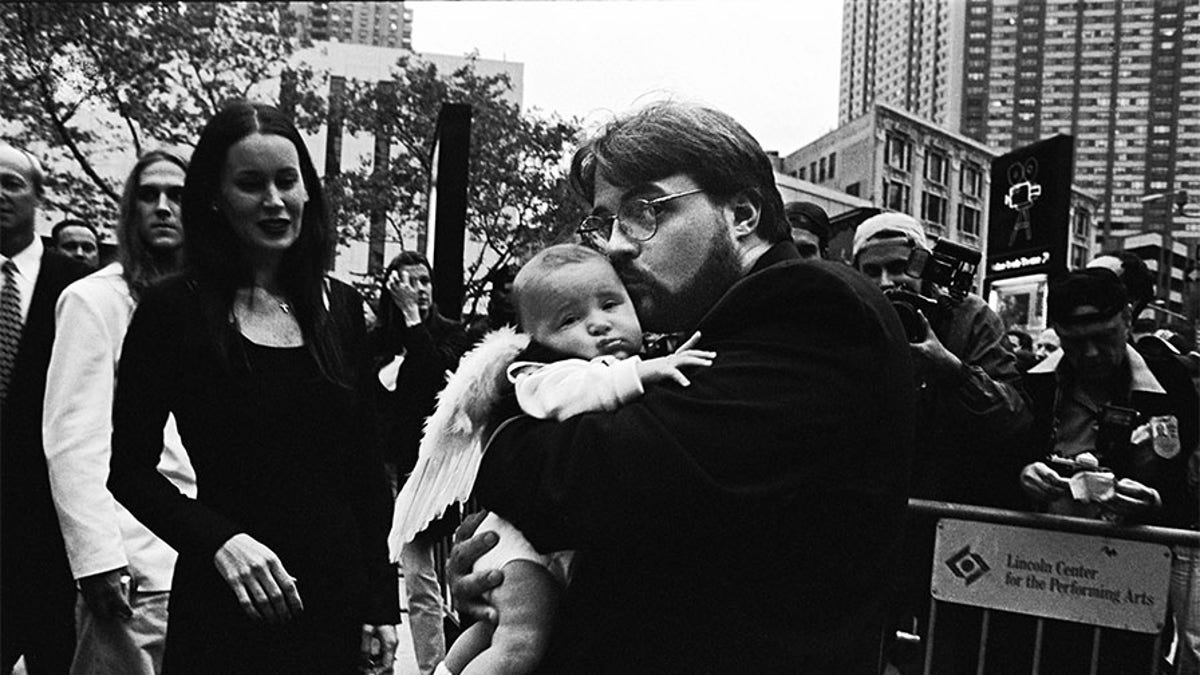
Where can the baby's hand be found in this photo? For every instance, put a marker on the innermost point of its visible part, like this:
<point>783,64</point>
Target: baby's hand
<point>666,368</point>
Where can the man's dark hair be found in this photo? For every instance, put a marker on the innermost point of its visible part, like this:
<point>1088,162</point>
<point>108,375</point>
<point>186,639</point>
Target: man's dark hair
<point>1096,287</point>
<point>73,222</point>
<point>814,218</point>
<point>668,138</point>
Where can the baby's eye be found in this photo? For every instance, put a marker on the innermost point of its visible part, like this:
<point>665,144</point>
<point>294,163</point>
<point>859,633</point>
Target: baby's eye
<point>567,321</point>
<point>611,304</point>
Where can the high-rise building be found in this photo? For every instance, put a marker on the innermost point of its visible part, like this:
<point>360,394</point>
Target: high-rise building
<point>1121,76</point>
<point>382,24</point>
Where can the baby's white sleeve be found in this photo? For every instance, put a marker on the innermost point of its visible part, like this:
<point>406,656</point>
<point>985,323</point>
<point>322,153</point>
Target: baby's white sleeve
<point>567,388</point>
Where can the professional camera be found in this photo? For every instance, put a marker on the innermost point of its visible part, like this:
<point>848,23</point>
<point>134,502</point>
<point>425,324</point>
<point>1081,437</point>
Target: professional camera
<point>949,266</point>
<point>907,304</point>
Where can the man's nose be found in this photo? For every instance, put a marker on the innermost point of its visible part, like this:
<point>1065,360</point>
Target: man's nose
<point>619,245</point>
<point>164,203</point>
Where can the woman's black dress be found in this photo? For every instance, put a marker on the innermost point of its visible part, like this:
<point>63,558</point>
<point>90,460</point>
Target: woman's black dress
<point>281,454</point>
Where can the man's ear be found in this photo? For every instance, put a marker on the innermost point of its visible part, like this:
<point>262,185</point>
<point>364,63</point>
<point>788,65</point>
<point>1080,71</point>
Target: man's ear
<point>747,209</point>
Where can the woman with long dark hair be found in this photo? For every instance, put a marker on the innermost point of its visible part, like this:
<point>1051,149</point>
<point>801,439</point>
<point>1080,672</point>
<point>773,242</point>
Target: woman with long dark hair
<point>261,357</point>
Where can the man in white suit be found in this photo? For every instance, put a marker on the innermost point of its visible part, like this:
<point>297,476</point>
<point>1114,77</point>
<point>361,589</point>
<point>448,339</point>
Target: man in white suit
<point>122,570</point>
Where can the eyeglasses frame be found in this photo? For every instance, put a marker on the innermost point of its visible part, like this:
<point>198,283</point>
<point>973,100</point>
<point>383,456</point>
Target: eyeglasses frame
<point>646,204</point>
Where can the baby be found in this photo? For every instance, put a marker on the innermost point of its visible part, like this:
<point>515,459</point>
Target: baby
<point>585,338</point>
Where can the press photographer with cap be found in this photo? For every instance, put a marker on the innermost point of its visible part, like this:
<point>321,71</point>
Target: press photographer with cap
<point>970,410</point>
<point>1096,384</point>
<point>1112,435</point>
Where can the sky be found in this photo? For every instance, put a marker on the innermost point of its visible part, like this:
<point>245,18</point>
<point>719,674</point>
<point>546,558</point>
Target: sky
<point>771,64</point>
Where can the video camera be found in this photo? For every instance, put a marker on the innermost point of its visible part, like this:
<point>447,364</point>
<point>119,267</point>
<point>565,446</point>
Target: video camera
<point>949,266</point>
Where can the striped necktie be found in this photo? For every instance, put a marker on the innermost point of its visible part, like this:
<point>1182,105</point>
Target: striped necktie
<point>10,324</point>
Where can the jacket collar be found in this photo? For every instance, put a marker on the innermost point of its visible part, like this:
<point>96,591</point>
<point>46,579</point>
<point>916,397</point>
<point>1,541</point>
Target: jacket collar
<point>1140,377</point>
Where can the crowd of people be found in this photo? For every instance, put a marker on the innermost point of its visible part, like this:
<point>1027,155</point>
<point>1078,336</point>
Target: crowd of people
<point>691,439</point>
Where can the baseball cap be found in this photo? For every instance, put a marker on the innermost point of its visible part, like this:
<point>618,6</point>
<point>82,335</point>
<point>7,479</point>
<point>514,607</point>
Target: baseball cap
<point>1097,288</point>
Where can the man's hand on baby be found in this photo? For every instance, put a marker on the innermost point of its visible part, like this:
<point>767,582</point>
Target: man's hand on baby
<point>666,368</point>
<point>470,588</point>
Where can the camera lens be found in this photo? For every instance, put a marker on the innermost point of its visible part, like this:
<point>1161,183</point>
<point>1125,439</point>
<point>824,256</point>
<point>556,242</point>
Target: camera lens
<point>913,328</point>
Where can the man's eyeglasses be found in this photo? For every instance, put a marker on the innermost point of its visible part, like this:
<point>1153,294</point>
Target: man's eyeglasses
<point>150,194</point>
<point>636,219</point>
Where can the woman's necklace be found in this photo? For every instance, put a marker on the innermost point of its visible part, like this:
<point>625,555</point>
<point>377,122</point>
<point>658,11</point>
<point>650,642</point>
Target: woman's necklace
<point>283,304</point>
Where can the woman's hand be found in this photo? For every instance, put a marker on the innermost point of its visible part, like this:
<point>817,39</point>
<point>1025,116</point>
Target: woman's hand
<point>470,588</point>
<point>263,587</point>
<point>404,295</point>
<point>378,648</point>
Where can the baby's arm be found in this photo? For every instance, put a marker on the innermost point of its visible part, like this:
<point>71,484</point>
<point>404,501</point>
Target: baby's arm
<point>668,367</point>
<point>567,388</point>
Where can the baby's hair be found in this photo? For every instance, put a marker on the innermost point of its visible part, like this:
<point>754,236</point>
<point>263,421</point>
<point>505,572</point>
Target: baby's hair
<point>529,288</point>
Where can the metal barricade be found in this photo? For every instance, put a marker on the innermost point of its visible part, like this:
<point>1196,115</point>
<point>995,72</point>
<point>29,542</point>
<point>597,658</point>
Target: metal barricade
<point>1035,526</point>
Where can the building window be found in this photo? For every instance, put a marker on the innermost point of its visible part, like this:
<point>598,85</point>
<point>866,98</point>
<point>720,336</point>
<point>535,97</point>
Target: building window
<point>936,167</point>
<point>832,163</point>
<point>897,152</point>
<point>970,180</point>
<point>1082,223</point>
<point>968,222</point>
<point>812,171</point>
<point>854,188</point>
<point>1079,256</point>
<point>801,173</point>
<point>822,170</point>
<point>933,209</point>
<point>896,196</point>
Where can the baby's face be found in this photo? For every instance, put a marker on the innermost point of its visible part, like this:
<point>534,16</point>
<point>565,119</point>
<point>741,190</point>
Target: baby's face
<point>587,313</point>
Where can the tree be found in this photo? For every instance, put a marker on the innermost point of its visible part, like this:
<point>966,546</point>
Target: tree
<point>85,83</point>
<point>517,195</point>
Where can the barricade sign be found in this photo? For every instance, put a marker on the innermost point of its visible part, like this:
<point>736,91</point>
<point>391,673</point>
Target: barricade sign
<point>1074,577</point>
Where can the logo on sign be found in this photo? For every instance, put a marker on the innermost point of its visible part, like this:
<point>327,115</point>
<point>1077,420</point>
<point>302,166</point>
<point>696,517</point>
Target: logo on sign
<point>967,565</point>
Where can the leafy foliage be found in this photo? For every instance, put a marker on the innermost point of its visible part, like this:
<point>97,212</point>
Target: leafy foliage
<point>86,84</point>
<point>517,194</point>
<point>89,86</point>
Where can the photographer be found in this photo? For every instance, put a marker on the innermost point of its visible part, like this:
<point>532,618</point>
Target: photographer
<point>971,412</point>
<point>971,407</point>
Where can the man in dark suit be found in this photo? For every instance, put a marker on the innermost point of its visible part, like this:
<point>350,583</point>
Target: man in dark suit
<point>37,594</point>
<point>746,523</point>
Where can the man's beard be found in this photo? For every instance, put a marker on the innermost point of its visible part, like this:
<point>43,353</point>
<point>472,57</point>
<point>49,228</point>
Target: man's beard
<point>663,311</point>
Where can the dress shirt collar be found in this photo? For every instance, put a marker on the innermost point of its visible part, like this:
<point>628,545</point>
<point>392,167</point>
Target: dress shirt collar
<point>29,263</point>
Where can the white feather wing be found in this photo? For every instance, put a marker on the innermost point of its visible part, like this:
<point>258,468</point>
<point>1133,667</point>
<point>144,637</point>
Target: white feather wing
<point>451,447</point>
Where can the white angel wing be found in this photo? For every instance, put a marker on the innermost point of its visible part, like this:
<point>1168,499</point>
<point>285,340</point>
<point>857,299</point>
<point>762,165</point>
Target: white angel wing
<point>451,448</point>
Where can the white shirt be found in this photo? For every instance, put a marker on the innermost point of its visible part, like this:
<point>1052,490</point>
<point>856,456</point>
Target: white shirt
<point>29,263</point>
<point>93,315</point>
<point>570,387</point>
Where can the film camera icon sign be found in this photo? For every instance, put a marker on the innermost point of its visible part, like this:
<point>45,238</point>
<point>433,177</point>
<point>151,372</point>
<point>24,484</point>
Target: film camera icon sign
<point>967,565</point>
<point>1022,193</point>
